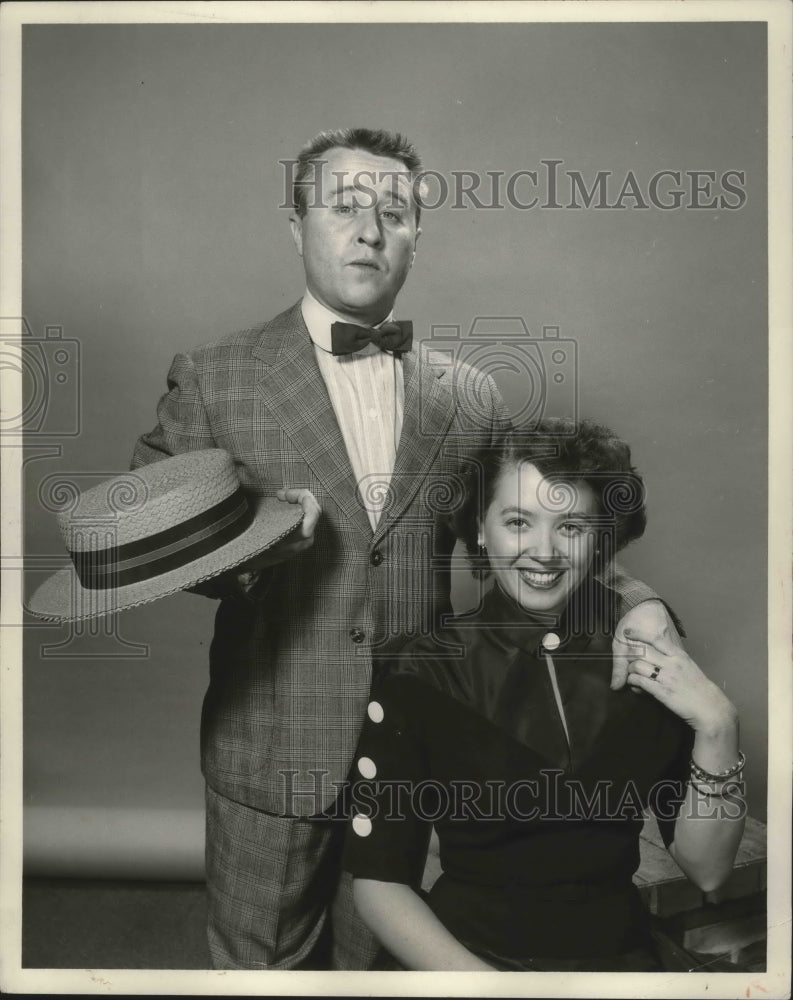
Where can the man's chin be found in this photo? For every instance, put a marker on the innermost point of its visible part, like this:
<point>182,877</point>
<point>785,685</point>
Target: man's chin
<point>364,310</point>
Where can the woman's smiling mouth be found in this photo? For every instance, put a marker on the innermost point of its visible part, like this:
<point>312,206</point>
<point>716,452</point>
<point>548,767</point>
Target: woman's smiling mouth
<point>541,579</point>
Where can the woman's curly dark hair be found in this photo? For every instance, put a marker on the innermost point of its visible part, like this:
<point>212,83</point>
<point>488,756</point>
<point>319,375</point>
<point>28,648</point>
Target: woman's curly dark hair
<point>565,452</point>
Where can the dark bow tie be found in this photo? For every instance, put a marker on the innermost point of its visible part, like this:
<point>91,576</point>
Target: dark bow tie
<point>347,338</point>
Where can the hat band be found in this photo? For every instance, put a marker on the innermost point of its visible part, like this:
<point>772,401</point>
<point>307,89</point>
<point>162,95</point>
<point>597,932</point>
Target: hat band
<point>135,562</point>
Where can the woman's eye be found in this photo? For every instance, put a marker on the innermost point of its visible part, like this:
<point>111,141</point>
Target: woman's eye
<point>571,528</point>
<point>517,522</point>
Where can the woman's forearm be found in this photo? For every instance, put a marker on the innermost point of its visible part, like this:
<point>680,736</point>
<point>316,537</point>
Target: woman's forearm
<point>407,927</point>
<point>709,828</point>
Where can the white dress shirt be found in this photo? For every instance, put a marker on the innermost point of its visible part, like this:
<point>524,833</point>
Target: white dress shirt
<point>367,392</point>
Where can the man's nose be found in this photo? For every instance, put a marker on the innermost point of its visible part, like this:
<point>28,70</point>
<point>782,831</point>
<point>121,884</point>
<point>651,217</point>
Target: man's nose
<point>369,229</point>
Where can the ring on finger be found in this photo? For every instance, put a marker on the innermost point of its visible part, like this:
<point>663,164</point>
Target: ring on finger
<point>655,673</point>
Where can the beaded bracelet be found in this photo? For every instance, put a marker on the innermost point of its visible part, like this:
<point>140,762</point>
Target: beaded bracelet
<point>702,775</point>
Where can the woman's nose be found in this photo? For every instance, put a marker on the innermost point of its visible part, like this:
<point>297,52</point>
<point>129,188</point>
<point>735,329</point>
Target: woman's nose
<point>541,544</point>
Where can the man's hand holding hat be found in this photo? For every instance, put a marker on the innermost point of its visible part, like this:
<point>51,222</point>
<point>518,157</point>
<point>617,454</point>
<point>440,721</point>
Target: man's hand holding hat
<point>294,543</point>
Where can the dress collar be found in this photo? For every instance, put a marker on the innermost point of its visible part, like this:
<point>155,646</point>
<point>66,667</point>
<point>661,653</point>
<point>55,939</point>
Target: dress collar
<point>590,611</point>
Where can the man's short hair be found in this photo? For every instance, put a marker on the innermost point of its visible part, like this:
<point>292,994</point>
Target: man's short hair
<point>378,142</point>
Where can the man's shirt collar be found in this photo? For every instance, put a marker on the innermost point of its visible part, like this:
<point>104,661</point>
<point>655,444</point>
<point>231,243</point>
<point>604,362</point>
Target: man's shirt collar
<point>319,318</point>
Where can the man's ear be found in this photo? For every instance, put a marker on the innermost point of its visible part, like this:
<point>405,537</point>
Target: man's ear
<point>297,232</point>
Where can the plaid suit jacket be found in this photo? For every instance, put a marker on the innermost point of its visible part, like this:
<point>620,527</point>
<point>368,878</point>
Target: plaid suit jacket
<point>290,669</point>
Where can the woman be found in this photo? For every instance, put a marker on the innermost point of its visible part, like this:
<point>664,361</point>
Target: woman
<point>503,732</point>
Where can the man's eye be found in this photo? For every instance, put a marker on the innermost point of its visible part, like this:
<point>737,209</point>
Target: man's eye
<point>343,209</point>
<point>395,216</point>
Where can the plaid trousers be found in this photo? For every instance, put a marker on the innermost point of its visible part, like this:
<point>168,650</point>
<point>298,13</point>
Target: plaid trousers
<point>277,896</point>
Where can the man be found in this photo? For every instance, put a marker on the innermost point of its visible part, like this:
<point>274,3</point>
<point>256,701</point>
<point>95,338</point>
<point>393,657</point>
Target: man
<point>368,443</point>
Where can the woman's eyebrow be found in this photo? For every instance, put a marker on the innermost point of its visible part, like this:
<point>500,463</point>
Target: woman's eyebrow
<point>578,515</point>
<point>567,515</point>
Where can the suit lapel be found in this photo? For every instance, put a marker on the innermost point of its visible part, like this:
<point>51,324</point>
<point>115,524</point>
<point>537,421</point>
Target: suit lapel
<point>293,389</point>
<point>428,412</point>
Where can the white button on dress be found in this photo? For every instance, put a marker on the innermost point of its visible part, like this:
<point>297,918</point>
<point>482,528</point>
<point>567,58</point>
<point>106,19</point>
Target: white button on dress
<point>361,825</point>
<point>551,641</point>
<point>367,767</point>
<point>375,711</point>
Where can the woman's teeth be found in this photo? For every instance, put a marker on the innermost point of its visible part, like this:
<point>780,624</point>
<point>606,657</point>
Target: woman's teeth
<point>538,578</point>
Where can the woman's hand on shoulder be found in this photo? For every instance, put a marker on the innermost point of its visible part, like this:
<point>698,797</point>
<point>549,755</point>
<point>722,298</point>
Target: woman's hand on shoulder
<point>650,618</point>
<point>663,669</point>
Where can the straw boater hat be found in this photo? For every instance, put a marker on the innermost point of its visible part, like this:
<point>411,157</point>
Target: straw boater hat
<point>150,533</point>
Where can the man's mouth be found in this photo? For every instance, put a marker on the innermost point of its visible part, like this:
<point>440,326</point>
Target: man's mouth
<point>541,579</point>
<point>365,263</point>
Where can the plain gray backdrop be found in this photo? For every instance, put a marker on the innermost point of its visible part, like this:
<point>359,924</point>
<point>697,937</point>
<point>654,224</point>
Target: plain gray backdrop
<point>151,188</point>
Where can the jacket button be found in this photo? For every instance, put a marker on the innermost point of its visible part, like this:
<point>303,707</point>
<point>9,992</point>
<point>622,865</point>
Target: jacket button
<point>357,635</point>
<point>376,558</point>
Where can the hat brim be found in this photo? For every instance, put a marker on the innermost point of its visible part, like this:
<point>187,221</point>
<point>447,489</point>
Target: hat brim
<point>62,598</point>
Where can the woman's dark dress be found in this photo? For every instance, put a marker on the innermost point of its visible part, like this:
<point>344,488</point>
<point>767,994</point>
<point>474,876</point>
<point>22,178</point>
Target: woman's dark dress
<point>538,839</point>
